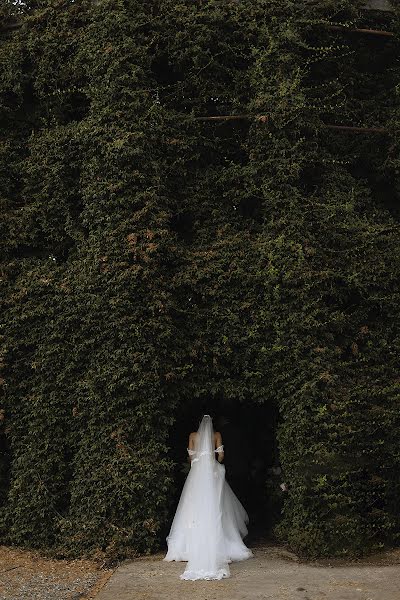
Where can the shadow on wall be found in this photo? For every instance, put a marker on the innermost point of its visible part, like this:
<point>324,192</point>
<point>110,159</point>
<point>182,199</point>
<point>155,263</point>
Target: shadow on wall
<point>383,5</point>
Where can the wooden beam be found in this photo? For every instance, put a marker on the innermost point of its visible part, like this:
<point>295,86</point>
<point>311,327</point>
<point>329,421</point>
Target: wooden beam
<point>230,118</point>
<point>265,118</point>
<point>378,32</point>
<point>356,129</point>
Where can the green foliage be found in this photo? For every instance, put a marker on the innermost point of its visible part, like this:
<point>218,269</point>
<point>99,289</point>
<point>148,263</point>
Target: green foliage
<point>151,260</point>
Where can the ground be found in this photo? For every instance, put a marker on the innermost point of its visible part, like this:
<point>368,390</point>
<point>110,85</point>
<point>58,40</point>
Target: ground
<point>26,575</point>
<point>273,574</point>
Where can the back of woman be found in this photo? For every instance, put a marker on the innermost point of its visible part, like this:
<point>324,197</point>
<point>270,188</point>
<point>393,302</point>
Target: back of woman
<point>210,521</point>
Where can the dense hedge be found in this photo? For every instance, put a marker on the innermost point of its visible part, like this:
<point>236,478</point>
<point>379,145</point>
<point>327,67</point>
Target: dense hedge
<point>152,260</point>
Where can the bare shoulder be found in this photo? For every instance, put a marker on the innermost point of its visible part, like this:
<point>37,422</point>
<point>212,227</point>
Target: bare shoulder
<point>217,437</point>
<point>192,438</point>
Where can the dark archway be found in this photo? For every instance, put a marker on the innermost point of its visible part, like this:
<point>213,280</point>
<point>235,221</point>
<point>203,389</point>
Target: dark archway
<point>251,458</point>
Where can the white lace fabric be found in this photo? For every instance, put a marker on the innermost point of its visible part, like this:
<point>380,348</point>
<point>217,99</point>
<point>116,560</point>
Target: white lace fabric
<point>201,574</point>
<point>192,452</point>
<point>203,453</point>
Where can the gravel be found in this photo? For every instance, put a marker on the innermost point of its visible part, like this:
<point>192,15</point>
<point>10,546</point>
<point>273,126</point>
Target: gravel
<point>42,587</point>
<point>27,575</point>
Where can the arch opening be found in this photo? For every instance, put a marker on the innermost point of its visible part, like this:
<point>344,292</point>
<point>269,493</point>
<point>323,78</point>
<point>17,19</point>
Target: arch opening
<point>251,458</point>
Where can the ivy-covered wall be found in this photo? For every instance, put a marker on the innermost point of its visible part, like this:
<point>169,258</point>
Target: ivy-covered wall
<point>151,259</point>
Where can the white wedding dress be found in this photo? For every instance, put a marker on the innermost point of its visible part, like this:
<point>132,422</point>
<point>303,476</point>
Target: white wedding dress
<point>210,521</point>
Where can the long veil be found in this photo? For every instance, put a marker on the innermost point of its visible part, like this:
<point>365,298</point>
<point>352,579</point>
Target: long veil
<point>209,521</point>
<point>206,547</point>
<point>201,540</point>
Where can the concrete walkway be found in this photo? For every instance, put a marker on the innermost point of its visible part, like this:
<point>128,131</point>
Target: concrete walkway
<point>272,574</point>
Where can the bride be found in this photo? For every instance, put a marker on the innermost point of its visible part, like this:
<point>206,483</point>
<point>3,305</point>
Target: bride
<point>210,521</point>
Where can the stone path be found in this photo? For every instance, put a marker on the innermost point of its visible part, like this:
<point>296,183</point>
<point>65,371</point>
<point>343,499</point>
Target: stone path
<point>272,574</point>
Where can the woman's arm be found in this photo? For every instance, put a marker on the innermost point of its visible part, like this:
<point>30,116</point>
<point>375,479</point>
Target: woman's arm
<point>218,440</point>
<point>191,446</point>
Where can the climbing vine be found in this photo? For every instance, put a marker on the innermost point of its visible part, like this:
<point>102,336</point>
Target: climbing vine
<point>152,258</point>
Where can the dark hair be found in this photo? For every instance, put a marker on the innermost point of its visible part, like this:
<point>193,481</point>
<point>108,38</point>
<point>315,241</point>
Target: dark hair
<point>199,417</point>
